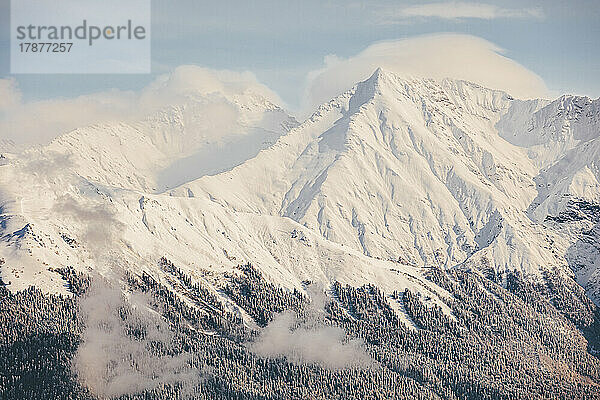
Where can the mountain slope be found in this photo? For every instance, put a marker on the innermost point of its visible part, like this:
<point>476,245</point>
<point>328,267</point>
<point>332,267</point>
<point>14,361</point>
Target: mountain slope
<point>413,238</point>
<point>410,170</point>
<point>91,199</point>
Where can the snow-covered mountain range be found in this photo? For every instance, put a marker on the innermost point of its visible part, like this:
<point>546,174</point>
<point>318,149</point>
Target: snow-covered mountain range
<point>388,178</point>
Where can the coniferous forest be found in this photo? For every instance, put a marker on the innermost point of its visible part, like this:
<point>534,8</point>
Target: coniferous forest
<point>504,338</point>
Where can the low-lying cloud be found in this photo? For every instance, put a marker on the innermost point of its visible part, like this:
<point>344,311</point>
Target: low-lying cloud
<point>310,340</point>
<point>99,222</point>
<point>124,348</point>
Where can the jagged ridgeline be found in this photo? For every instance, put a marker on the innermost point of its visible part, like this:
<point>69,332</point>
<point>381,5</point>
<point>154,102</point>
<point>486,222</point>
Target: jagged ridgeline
<point>521,342</point>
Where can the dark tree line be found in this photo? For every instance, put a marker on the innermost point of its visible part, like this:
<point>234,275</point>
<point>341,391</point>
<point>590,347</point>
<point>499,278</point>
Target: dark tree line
<point>524,341</point>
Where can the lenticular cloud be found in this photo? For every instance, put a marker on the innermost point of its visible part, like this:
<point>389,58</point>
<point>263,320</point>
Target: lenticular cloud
<point>432,56</point>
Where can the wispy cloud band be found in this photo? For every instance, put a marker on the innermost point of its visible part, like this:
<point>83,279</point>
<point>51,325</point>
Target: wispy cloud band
<point>460,10</point>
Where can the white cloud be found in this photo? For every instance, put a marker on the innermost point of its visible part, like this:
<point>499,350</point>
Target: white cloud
<point>9,94</point>
<point>435,56</point>
<point>41,121</point>
<point>458,10</point>
<point>191,80</point>
<point>324,345</point>
<point>116,356</point>
<point>432,56</point>
<point>308,340</point>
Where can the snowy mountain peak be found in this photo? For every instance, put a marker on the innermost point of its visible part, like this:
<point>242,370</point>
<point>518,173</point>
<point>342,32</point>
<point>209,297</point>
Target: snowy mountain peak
<point>398,171</point>
<point>365,91</point>
<point>409,170</point>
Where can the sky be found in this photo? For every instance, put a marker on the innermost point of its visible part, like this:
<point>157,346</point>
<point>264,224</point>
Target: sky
<point>290,47</point>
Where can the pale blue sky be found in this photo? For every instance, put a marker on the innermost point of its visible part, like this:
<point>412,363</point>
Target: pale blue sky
<point>282,41</point>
